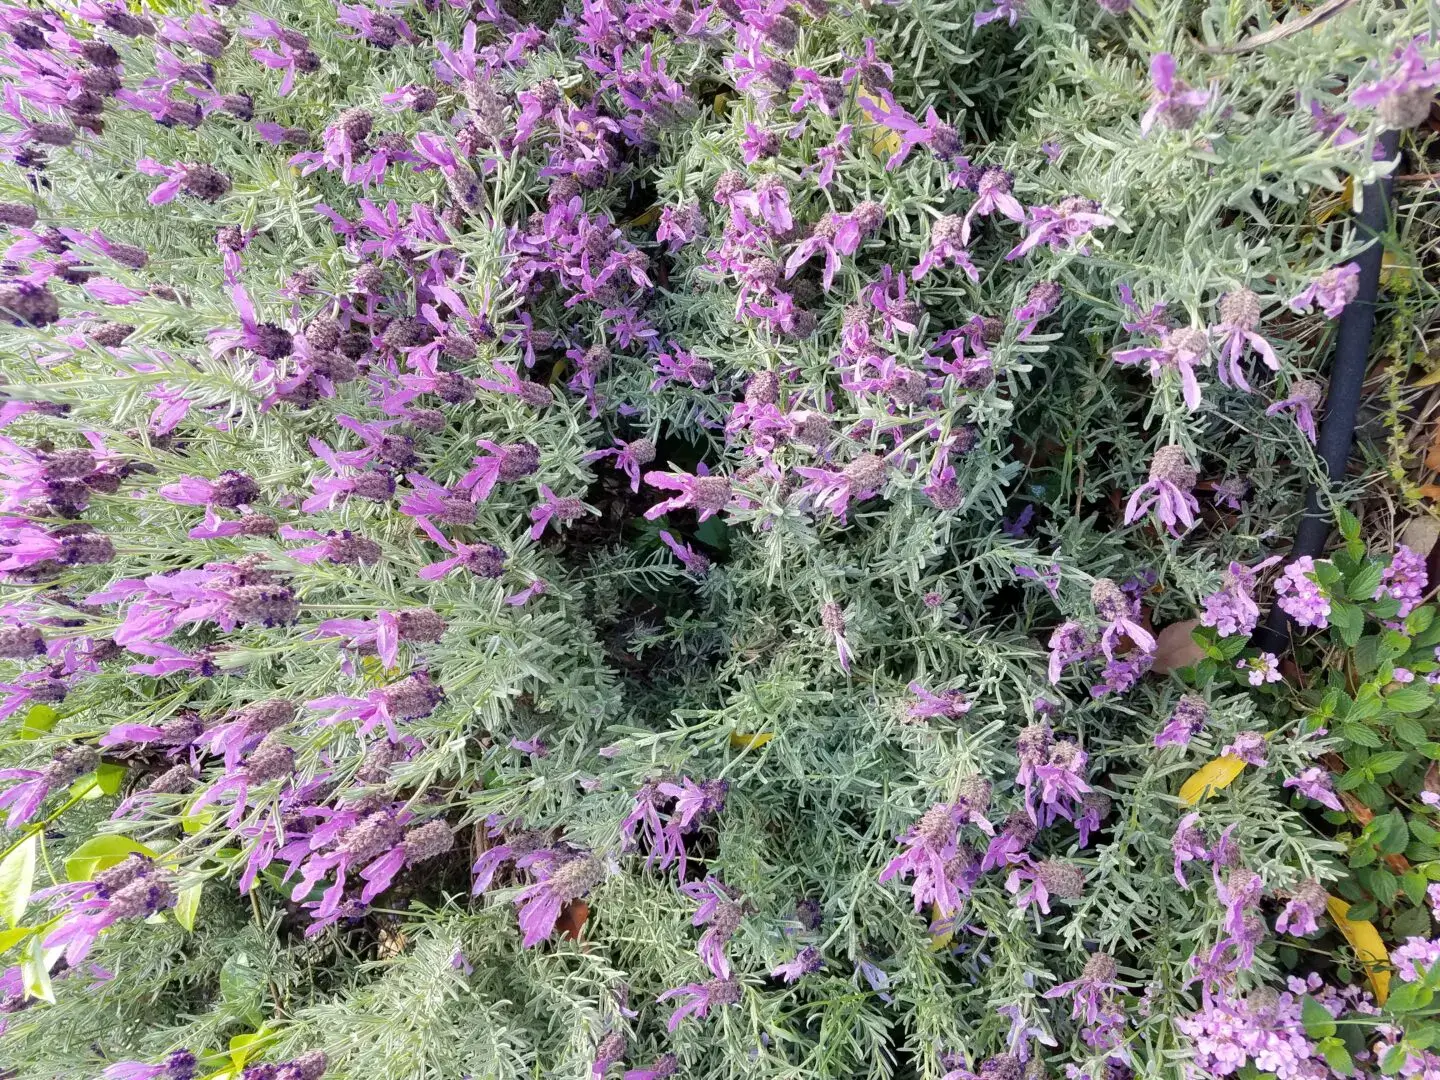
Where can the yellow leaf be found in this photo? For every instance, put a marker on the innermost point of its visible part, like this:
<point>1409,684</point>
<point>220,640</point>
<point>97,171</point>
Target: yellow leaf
<point>720,103</point>
<point>649,217</point>
<point>1392,270</point>
<point>739,741</point>
<point>1365,940</point>
<point>1211,777</point>
<point>884,141</point>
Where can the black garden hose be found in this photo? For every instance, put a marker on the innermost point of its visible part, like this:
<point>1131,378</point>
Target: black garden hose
<point>1342,400</point>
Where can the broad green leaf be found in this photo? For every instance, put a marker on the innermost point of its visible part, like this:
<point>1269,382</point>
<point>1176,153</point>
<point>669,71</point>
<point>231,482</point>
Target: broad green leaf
<point>17,878</point>
<point>1358,734</point>
<point>1419,620</point>
<point>1409,699</point>
<point>1349,621</point>
<point>1387,761</point>
<point>187,903</point>
<point>38,720</point>
<point>1319,1024</point>
<point>1408,731</point>
<point>1394,1058</point>
<point>1411,997</point>
<point>1363,584</point>
<point>100,853</point>
<point>1347,523</point>
<point>1336,1056</point>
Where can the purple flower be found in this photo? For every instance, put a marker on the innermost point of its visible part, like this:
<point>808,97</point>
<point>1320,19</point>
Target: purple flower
<point>664,1067</point>
<point>1239,318</point>
<point>1314,783</point>
<point>1175,105</point>
<point>561,880</point>
<point>1051,773</point>
<point>1172,479</point>
<point>1035,883</point>
<point>833,489</point>
<point>1404,580</point>
<point>694,561</point>
<point>1301,596</point>
<point>698,999</point>
<point>1248,746</point>
<point>179,1065</point>
<point>1069,643</point>
<point>1063,226</point>
<point>946,247</point>
<point>133,889</point>
<point>1120,612</point>
<point>629,457</point>
<point>1304,399</point>
<point>707,495</point>
<point>1189,716</point>
<point>1231,609</point>
<point>1040,301</point>
<point>1009,10</point>
<point>1415,958</point>
<point>942,868</point>
<point>1306,903</point>
<point>1094,1001</point>
<point>1332,290</point>
<point>1186,845</point>
<point>806,961</point>
<point>1261,669</point>
<point>553,508</point>
<point>950,704</point>
<point>993,195</point>
<point>769,201</point>
<point>1402,98</point>
<point>1181,351</point>
<point>721,912</point>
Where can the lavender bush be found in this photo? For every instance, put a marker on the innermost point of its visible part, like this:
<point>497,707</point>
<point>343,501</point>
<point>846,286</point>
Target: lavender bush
<point>661,540</point>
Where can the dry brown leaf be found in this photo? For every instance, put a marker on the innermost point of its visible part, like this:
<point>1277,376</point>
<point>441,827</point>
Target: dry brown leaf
<point>572,919</point>
<point>1175,648</point>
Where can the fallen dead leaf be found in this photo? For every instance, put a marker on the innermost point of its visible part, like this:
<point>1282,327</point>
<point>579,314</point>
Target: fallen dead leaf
<point>572,919</point>
<point>1175,648</point>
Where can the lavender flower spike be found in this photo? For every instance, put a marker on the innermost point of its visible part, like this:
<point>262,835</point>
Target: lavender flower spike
<point>1172,478</point>
<point>1176,105</point>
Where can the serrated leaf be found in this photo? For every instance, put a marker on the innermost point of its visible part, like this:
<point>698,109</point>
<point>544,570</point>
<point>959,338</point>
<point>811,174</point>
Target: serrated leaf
<point>1410,732</point>
<point>1419,620</point>
<point>1365,940</point>
<point>1213,776</point>
<point>1336,1056</point>
<point>1347,523</point>
<point>1319,1024</point>
<point>187,903</point>
<point>1358,734</point>
<point>17,878</point>
<point>1387,761</point>
<point>99,853</point>
<point>1410,997</point>
<point>1409,699</point>
<point>1365,581</point>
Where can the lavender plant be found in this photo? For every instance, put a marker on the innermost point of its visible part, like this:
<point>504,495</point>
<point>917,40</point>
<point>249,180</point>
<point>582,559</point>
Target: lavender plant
<point>634,541</point>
